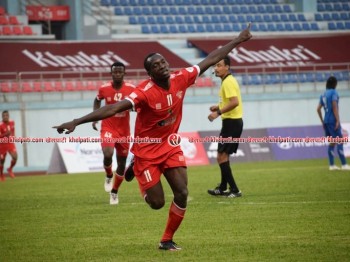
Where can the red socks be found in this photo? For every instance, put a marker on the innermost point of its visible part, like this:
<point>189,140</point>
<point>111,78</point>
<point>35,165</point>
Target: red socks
<point>176,215</point>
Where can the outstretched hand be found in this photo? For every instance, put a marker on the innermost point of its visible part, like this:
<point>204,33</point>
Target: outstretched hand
<point>245,35</point>
<point>67,128</point>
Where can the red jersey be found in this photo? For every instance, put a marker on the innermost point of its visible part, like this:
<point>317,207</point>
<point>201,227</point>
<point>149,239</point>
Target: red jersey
<point>120,122</point>
<point>5,127</point>
<point>159,112</point>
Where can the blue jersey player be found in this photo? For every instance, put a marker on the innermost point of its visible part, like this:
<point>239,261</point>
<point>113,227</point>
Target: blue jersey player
<point>329,100</point>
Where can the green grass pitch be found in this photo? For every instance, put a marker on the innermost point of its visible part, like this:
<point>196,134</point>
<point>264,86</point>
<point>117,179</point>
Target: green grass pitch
<point>290,211</point>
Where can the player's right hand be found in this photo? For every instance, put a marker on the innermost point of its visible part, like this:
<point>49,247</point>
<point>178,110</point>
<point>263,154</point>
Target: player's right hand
<point>245,35</point>
<point>67,128</point>
<point>94,125</point>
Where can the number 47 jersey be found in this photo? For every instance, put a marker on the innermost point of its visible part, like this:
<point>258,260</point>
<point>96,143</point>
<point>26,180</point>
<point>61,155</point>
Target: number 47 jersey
<point>118,124</point>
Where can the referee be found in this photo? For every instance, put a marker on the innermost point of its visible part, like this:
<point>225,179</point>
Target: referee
<point>231,111</point>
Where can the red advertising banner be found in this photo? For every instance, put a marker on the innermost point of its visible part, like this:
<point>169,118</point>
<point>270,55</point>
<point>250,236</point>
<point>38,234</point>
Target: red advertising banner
<point>80,56</point>
<point>44,13</point>
<point>293,51</point>
<point>194,153</point>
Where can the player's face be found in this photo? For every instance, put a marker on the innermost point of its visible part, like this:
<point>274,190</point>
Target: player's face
<point>159,67</point>
<point>5,117</point>
<point>220,69</point>
<point>118,73</point>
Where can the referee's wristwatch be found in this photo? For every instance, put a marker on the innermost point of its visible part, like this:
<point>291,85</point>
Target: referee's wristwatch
<point>219,112</point>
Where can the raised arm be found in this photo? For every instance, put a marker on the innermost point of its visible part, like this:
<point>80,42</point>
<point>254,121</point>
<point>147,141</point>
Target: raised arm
<point>218,54</point>
<point>99,114</point>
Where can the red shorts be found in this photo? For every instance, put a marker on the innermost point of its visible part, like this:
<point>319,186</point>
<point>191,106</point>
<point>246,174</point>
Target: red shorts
<point>148,172</point>
<point>122,148</point>
<point>10,147</point>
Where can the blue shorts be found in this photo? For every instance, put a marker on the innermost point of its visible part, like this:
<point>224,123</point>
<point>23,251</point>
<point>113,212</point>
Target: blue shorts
<point>329,129</point>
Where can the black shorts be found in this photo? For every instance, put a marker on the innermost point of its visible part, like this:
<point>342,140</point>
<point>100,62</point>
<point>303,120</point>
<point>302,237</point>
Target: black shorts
<point>230,128</point>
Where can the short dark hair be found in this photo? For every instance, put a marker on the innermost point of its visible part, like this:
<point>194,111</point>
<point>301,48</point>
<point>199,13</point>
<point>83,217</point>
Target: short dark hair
<point>5,111</point>
<point>147,61</point>
<point>227,60</point>
<point>117,64</point>
<point>331,83</point>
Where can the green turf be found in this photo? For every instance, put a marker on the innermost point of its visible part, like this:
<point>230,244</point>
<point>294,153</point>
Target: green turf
<point>290,211</point>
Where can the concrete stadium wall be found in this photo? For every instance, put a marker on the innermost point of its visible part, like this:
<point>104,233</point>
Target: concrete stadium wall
<point>40,117</point>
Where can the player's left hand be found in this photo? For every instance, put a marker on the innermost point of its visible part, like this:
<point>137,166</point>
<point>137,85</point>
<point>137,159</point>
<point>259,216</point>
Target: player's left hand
<point>67,128</point>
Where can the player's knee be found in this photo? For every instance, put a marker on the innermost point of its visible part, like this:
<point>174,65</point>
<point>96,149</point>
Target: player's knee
<point>181,196</point>
<point>156,203</point>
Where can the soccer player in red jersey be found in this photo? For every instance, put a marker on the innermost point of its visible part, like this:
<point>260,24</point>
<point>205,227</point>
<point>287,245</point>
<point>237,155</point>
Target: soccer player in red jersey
<point>7,129</point>
<point>159,103</point>
<point>115,127</point>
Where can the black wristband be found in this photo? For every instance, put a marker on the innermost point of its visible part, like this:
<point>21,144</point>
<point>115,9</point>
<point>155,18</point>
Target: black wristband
<point>219,112</point>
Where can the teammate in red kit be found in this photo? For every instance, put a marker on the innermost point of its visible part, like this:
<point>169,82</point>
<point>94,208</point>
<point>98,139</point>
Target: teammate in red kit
<point>7,129</point>
<point>117,126</point>
<point>159,103</point>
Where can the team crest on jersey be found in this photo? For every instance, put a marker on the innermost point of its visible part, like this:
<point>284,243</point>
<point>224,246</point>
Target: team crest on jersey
<point>158,106</point>
<point>179,94</point>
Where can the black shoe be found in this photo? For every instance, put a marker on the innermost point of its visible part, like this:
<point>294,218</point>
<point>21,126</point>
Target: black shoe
<point>232,194</point>
<point>169,245</point>
<point>216,192</point>
<point>129,172</point>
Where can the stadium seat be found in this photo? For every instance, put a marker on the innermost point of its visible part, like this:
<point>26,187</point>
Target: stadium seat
<point>267,18</point>
<point>335,16</point>
<point>218,10</point>
<point>314,26</point>
<point>58,86</point>
<point>2,11</point>
<point>306,26</point>
<point>191,28</point>
<point>206,19</point>
<point>215,19</point>
<point>4,20</point>
<point>332,26</point>
<point>179,19</point>
<point>155,29</point>
<point>318,17</point>
<point>261,9</point>
<point>227,27</point>
<point>209,28</point>
<point>173,29</point>
<point>7,30</point>
<point>48,87</point>
<point>5,87</point>
<point>297,27</point>
<point>233,18</point>
<point>145,29</point>
<point>236,28</point>
<point>199,10</point>
<point>155,10</point>
<point>13,20</point>
<point>276,18</point>
<point>17,30</point>
<point>146,10</point>
<point>164,29</point>
<point>142,20</point>
<point>252,9</point>
<point>288,27</point>
<point>169,20</point>
<point>340,26</point>
<point>262,27</point>
<point>27,30</point>
<point>151,20</point>
<point>344,16</point>
<point>37,86</point>
<point>160,20</point>
<point>200,28</point>
<point>258,19</point>
<point>69,86</point>
<point>347,25</point>
<point>118,11</point>
<point>182,29</point>
<point>133,20</point>
<point>209,10</point>
<point>301,18</point>
<point>287,9</point>
<point>271,27</point>
<point>278,9</point>
<point>346,7</point>
<point>280,27</point>
<point>327,17</point>
<point>26,87</point>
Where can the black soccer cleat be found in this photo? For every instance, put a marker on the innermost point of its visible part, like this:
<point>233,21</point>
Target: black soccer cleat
<point>216,191</point>
<point>231,194</point>
<point>129,172</point>
<point>169,245</point>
